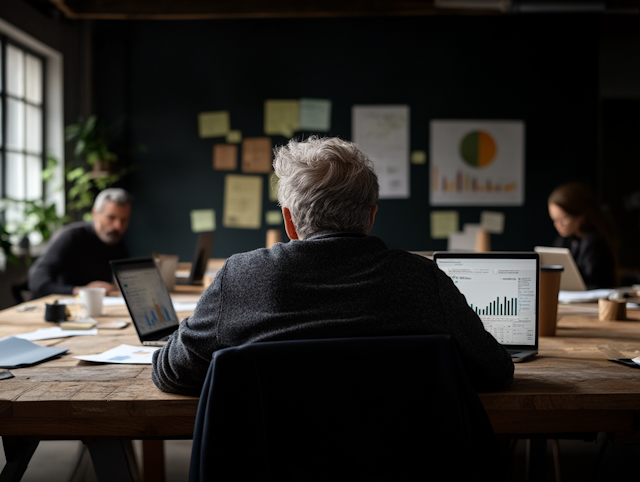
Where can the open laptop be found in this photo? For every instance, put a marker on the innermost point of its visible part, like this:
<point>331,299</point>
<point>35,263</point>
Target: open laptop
<point>204,246</point>
<point>571,279</point>
<point>147,299</point>
<point>502,288</point>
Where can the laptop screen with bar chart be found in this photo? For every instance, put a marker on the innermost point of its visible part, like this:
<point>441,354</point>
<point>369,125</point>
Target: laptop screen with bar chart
<point>502,288</point>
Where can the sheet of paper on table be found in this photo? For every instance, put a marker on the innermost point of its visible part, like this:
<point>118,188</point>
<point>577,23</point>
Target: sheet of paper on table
<point>54,332</point>
<point>583,296</point>
<point>123,354</point>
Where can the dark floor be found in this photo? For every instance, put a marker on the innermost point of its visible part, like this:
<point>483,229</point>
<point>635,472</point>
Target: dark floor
<point>54,462</point>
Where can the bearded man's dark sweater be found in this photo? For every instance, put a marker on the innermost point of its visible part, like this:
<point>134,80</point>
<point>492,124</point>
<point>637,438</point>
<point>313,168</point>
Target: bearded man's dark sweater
<point>76,256</point>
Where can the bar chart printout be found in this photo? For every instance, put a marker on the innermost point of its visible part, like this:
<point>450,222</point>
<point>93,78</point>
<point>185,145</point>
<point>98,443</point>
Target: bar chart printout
<point>501,292</point>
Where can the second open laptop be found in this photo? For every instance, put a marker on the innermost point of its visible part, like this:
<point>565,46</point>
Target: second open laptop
<point>571,279</point>
<point>204,246</point>
<point>502,288</point>
<point>147,299</point>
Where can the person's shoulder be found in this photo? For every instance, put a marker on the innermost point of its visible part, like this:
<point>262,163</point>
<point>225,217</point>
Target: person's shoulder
<point>72,231</point>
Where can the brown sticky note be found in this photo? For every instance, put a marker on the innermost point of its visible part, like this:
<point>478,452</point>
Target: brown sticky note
<point>256,154</point>
<point>225,157</point>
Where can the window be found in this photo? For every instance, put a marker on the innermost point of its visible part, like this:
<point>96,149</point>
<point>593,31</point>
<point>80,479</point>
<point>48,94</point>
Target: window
<point>22,131</point>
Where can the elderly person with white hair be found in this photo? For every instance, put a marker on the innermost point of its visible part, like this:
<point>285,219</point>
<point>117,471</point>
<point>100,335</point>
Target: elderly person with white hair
<point>332,280</point>
<point>78,255</point>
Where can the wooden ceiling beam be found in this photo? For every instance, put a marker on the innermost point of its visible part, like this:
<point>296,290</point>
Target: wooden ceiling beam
<point>221,9</point>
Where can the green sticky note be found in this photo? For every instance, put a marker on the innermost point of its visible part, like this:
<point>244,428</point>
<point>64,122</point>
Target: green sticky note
<point>213,124</point>
<point>281,117</point>
<point>273,218</point>
<point>444,223</point>
<point>315,115</point>
<point>234,137</point>
<point>273,187</point>
<point>203,220</point>
<point>418,157</point>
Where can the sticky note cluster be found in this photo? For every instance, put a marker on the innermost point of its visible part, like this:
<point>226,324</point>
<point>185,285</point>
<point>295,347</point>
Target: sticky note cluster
<point>286,116</point>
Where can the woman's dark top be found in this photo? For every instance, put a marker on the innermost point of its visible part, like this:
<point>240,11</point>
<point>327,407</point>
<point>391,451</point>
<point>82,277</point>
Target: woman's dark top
<point>593,257</point>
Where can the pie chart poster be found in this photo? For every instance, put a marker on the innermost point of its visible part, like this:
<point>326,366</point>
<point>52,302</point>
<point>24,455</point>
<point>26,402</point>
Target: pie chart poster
<point>477,162</point>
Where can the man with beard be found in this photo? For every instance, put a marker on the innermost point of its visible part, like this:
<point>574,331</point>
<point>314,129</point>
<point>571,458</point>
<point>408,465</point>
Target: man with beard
<point>79,254</point>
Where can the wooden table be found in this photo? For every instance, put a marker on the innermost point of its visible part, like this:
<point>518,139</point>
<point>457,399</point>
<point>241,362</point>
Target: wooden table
<point>569,388</point>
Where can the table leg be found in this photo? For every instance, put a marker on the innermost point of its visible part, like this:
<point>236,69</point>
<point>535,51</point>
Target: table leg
<point>153,460</point>
<point>536,459</point>
<point>18,454</point>
<point>110,461</point>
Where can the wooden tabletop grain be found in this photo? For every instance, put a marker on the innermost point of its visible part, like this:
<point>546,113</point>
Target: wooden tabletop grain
<point>569,387</point>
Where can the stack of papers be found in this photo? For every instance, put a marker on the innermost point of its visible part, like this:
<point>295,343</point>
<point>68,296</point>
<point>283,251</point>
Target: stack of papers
<point>54,332</point>
<point>583,296</point>
<point>19,353</point>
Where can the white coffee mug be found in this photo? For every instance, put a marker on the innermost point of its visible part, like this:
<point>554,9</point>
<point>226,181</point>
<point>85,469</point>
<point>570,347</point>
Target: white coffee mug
<point>91,300</point>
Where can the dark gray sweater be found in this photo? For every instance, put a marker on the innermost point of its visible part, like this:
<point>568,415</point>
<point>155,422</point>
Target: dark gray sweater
<point>331,285</point>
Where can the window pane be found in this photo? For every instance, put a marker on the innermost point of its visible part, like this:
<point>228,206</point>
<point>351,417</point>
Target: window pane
<point>15,175</point>
<point>15,124</point>
<point>34,129</point>
<point>15,71</point>
<point>34,79</point>
<point>34,178</point>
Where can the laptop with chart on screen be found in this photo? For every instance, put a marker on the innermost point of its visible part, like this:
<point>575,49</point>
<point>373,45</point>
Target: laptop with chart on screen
<point>502,288</point>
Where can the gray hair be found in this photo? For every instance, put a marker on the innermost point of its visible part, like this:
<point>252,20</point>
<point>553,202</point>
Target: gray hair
<point>114,194</point>
<point>328,185</point>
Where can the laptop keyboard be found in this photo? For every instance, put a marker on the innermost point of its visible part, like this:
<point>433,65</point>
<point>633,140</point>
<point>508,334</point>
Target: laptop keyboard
<point>513,352</point>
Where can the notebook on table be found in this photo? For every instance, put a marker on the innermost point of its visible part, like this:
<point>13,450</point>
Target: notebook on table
<point>502,288</point>
<point>147,298</point>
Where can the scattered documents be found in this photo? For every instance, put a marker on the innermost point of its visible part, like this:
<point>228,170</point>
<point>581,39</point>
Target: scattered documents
<point>54,332</point>
<point>273,218</point>
<point>242,202</point>
<point>124,354</point>
<point>213,124</point>
<point>492,222</point>
<point>184,306</point>
<point>583,296</point>
<point>281,117</point>
<point>256,155</point>
<point>382,133</point>
<point>18,353</point>
<point>315,115</point>
<point>225,157</point>
<point>203,220</point>
<point>234,137</point>
<point>444,223</point>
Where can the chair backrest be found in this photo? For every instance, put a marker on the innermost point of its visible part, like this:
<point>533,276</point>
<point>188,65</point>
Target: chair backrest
<point>385,408</point>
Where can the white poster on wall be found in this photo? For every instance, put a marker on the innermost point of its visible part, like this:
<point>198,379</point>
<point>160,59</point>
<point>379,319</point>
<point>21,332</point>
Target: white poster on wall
<point>477,162</point>
<point>382,133</point>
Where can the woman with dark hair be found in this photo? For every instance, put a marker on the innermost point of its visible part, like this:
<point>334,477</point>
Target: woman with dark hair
<point>583,229</point>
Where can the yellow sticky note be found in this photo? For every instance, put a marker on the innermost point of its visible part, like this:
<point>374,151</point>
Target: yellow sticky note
<point>213,124</point>
<point>273,187</point>
<point>273,218</point>
<point>444,223</point>
<point>281,117</point>
<point>418,157</point>
<point>203,220</point>
<point>242,202</point>
<point>234,137</point>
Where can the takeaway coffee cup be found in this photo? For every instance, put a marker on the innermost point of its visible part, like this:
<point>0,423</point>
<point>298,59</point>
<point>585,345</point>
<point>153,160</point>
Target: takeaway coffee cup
<point>168,265</point>
<point>91,300</point>
<point>549,289</point>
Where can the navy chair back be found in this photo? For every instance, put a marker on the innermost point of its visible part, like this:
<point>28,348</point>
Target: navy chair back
<point>385,408</point>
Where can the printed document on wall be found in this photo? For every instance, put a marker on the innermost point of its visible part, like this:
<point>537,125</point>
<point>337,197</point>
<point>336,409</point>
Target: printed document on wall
<point>382,133</point>
<point>477,162</point>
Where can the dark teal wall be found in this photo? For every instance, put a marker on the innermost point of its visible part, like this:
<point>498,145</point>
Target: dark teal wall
<point>158,76</point>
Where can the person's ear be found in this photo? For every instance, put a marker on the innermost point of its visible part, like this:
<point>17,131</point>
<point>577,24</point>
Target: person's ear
<point>288,224</point>
<point>374,210</point>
